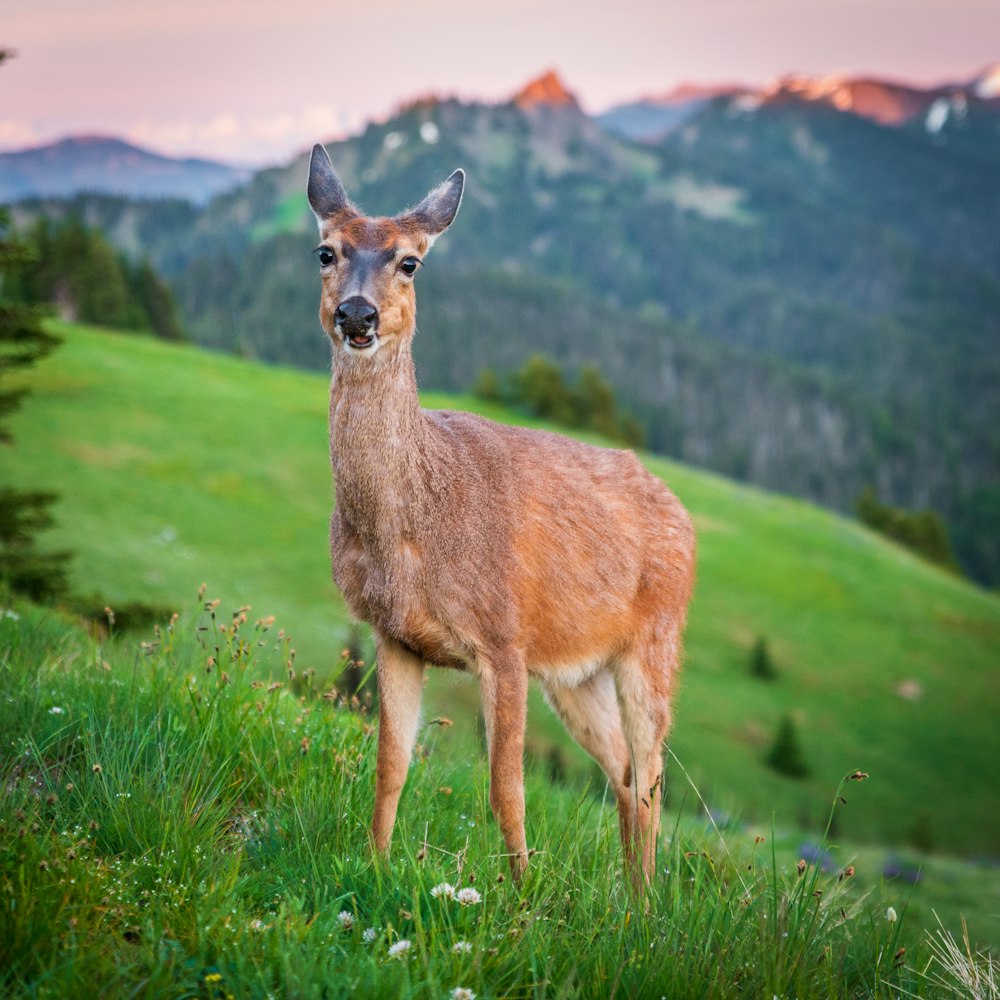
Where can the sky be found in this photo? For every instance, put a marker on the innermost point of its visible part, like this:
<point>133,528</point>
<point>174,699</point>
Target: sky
<point>254,82</point>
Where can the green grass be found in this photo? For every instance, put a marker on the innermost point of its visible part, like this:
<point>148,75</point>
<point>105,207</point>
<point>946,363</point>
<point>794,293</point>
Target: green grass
<point>174,825</point>
<point>176,466</point>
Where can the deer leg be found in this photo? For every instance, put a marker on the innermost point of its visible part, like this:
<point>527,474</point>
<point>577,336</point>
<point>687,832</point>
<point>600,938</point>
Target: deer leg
<point>590,713</point>
<point>644,700</point>
<point>400,686</point>
<point>504,684</point>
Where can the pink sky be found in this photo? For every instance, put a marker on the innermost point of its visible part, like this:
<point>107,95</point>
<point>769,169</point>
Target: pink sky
<point>257,81</point>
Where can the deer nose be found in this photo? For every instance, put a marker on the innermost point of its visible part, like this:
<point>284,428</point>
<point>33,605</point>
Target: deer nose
<point>356,314</point>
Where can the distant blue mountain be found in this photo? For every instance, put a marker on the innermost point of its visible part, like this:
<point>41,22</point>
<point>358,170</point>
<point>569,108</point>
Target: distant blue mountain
<point>105,165</point>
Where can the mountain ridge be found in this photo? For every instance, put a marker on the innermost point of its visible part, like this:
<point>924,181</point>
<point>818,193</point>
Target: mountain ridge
<point>111,165</point>
<point>879,99</point>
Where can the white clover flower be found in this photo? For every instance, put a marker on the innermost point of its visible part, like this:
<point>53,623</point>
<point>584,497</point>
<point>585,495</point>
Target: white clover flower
<point>369,934</point>
<point>56,710</point>
<point>445,889</point>
<point>257,925</point>
<point>468,896</point>
<point>461,948</point>
<point>890,915</point>
<point>399,949</point>
<point>346,919</point>
<point>461,993</point>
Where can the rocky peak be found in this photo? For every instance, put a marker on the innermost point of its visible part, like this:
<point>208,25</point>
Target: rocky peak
<point>547,89</point>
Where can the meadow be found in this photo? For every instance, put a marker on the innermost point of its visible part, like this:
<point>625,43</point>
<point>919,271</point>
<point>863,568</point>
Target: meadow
<point>176,466</point>
<point>175,825</point>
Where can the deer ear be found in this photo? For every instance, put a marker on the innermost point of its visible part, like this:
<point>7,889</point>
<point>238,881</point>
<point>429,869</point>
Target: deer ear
<point>326,194</point>
<point>438,210</point>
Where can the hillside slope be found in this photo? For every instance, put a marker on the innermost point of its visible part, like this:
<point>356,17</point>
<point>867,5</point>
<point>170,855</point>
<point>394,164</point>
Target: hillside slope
<point>176,466</point>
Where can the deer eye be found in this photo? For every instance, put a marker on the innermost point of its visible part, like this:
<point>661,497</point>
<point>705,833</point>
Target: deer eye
<point>408,265</point>
<point>326,256</point>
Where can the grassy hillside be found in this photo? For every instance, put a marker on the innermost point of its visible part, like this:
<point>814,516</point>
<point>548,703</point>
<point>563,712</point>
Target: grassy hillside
<point>177,466</point>
<point>169,829</point>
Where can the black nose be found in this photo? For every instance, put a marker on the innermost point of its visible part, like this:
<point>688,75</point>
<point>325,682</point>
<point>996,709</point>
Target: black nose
<point>356,315</point>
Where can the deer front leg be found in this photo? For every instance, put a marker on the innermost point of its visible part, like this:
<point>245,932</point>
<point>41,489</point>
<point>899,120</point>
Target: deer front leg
<point>504,682</point>
<point>400,686</point>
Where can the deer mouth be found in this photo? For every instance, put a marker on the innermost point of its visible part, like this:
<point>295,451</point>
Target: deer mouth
<point>360,341</point>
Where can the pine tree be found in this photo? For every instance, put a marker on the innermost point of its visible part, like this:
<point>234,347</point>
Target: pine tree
<point>761,664</point>
<point>786,755</point>
<point>541,388</point>
<point>23,569</point>
<point>155,302</point>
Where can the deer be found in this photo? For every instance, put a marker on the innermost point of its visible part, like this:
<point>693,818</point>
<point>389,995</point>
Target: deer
<point>505,552</point>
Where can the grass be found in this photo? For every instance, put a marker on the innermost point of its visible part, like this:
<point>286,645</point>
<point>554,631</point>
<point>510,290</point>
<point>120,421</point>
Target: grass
<point>186,816</point>
<point>176,465</point>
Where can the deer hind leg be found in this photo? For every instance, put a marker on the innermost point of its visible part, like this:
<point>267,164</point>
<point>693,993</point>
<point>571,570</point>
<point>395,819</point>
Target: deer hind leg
<point>590,713</point>
<point>504,684</point>
<point>400,686</point>
<point>643,681</point>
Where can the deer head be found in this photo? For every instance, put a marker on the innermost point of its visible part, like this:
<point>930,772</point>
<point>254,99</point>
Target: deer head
<point>368,264</point>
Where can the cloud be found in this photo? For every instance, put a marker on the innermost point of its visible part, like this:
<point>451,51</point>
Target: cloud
<point>17,135</point>
<point>258,139</point>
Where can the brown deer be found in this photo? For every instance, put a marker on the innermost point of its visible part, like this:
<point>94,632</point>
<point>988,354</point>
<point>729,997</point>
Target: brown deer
<point>505,552</point>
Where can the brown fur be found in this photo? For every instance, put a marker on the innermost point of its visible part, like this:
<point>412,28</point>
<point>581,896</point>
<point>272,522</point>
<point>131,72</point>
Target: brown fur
<point>503,551</point>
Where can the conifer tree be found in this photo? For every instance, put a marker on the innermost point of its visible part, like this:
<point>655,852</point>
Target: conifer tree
<point>23,569</point>
<point>786,755</point>
<point>761,664</point>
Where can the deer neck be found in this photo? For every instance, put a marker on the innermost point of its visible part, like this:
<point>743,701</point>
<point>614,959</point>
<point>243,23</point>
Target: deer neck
<point>379,440</point>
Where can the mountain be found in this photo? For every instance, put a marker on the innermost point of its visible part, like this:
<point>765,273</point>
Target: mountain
<point>789,293</point>
<point>883,101</point>
<point>651,119</point>
<point>547,89</point>
<point>111,166</point>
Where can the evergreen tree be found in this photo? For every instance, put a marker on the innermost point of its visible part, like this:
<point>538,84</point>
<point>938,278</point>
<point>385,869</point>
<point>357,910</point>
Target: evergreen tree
<point>786,755</point>
<point>156,302</point>
<point>97,287</point>
<point>541,388</point>
<point>761,664</point>
<point>594,402</point>
<point>23,513</point>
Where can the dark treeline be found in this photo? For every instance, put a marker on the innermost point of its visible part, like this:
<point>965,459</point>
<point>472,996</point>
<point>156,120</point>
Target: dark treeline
<point>540,387</point>
<point>75,270</point>
<point>923,531</point>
